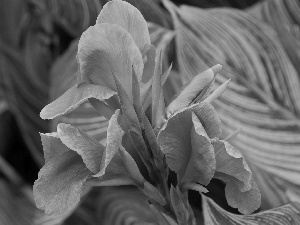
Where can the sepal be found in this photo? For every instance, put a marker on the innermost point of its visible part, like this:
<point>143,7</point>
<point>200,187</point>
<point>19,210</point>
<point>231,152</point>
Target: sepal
<point>153,194</point>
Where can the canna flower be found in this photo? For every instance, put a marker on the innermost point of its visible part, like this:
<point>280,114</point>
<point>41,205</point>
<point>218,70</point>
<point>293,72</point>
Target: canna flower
<point>74,160</point>
<point>190,141</point>
<point>118,70</point>
<point>117,46</point>
<point>114,56</point>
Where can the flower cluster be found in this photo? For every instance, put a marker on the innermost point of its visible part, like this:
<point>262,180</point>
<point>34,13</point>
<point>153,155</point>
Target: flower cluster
<point>120,73</point>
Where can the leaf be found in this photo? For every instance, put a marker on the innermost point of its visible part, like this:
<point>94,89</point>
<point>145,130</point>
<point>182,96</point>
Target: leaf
<point>11,21</point>
<point>190,62</point>
<point>72,98</point>
<point>277,14</point>
<point>285,215</point>
<point>15,207</point>
<point>73,20</point>
<point>152,12</point>
<point>161,37</point>
<point>179,208</point>
<point>22,44</point>
<point>125,205</point>
<point>262,95</point>
<point>128,17</point>
<point>153,194</point>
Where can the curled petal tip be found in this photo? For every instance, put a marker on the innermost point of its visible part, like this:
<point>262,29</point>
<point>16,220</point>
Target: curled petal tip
<point>46,113</point>
<point>216,68</point>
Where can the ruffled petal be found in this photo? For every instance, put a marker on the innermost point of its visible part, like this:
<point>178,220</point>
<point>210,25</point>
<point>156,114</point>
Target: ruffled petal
<point>73,97</point>
<point>202,164</point>
<point>208,118</point>
<point>58,187</point>
<point>113,142</point>
<point>128,17</point>
<point>231,168</point>
<point>231,164</point>
<point>246,202</point>
<point>174,139</point>
<point>88,148</point>
<point>187,147</point>
<point>52,146</point>
<point>107,49</point>
<point>122,170</point>
<point>95,156</point>
<point>190,91</point>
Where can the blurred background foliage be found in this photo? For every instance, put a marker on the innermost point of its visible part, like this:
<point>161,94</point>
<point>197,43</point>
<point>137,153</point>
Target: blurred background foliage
<point>257,42</point>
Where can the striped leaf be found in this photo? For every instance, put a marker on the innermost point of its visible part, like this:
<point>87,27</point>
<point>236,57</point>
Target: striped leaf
<point>284,215</point>
<point>262,97</point>
<point>128,206</point>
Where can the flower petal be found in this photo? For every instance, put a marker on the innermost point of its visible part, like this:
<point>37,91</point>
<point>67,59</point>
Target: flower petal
<point>192,89</point>
<point>202,164</point>
<point>217,93</point>
<point>106,49</point>
<point>128,17</point>
<point>246,202</point>
<point>175,140</point>
<point>208,118</point>
<point>113,142</point>
<point>58,187</point>
<point>52,146</point>
<point>195,187</point>
<point>231,167</point>
<point>127,107</point>
<point>158,103</point>
<point>89,149</point>
<point>122,170</point>
<point>149,65</point>
<point>73,97</point>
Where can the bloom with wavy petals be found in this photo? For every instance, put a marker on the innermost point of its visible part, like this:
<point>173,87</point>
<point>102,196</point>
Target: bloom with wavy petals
<point>118,43</point>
